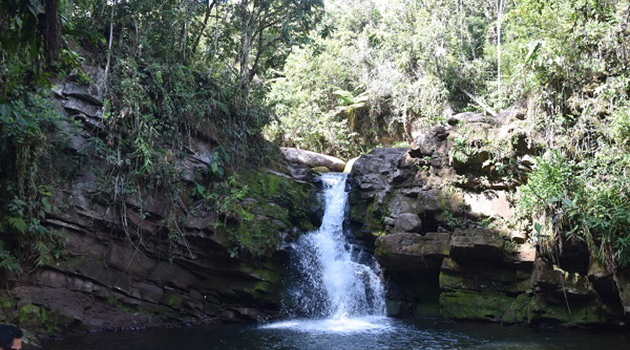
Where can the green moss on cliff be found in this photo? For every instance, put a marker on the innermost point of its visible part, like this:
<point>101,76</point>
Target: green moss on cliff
<point>495,306</point>
<point>259,209</point>
<point>578,314</point>
<point>31,316</point>
<point>369,215</point>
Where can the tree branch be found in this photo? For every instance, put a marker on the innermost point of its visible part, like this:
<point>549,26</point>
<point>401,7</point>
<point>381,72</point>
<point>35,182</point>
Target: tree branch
<point>204,26</point>
<point>479,102</point>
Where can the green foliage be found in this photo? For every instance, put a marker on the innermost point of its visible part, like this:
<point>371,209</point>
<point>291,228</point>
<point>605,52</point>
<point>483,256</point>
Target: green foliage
<point>370,73</point>
<point>408,61</point>
<point>549,193</point>
<point>27,123</point>
<point>588,201</point>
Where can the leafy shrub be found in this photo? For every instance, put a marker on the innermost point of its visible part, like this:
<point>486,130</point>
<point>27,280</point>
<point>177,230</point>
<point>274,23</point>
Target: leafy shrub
<point>588,201</point>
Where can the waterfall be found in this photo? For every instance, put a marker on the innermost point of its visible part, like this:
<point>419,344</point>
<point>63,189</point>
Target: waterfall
<point>336,279</point>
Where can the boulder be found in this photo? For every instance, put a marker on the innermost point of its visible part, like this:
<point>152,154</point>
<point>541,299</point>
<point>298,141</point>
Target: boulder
<point>374,172</point>
<point>428,143</point>
<point>380,161</point>
<point>312,159</point>
<point>408,222</point>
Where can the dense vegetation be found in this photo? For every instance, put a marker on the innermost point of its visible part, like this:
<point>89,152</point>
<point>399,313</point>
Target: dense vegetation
<point>378,71</point>
<point>360,74</point>
<point>168,70</point>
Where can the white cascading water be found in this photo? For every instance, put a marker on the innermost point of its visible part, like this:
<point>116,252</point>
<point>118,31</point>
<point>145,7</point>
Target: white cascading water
<point>337,280</point>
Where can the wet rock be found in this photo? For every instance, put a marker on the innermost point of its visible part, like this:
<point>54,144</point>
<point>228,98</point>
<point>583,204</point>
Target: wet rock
<point>148,291</point>
<point>491,306</point>
<point>321,169</point>
<point>543,310</point>
<point>65,307</point>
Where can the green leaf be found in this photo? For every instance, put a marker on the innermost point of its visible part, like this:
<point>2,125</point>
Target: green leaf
<point>200,189</point>
<point>538,227</point>
<point>18,223</point>
<point>18,21</point>
<point>533,47</point>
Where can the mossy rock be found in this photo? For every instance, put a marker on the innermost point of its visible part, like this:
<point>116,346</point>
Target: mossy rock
<point>450,281</point>
<point>366,213</point>
<point>269,271</point>
<point>473,305</point>
<point>321,169</point>
<point>31,316</point>
<point>277,203</point>
<point>427,309</point>
<point>8,306</point>
<point>588,313</point>
<point>270,285</point>
<point>172,299</point>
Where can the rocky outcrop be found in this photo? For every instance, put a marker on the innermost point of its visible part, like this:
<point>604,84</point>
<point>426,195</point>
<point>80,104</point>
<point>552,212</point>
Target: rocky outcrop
<point>312,159</point>
<point>146,256</point>
<point>436,214</point>
<point>410,252</point>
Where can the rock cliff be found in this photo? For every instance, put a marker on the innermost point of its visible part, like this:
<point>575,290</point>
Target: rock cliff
<point>144,257</point>
<point>439,217</point>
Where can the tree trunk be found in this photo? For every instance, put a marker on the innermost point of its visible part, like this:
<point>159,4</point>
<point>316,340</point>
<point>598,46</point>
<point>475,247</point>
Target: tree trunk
<point>52,32</point>
<point>246,46</point>
<point>111,39</point>
<point>203,27</point>
<point>500,9</point>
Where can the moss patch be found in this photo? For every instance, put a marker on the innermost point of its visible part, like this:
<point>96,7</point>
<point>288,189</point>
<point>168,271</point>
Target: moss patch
<point>274,204</point>
<point>580,314</point>
<point>483,306</point>
<point>31,316</point>
<point>172,299</point>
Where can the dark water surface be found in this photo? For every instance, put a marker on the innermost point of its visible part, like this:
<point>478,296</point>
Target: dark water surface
<point>365,333</point>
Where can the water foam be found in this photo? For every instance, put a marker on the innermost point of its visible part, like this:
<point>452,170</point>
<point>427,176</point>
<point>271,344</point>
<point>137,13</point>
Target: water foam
<point>377,324</point>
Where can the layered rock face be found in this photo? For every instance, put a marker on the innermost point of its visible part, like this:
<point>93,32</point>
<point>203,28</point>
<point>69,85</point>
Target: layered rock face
<point>439,225</point>
<point>150,258</point>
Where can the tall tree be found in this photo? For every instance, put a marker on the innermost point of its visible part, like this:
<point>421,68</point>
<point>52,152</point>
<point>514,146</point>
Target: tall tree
<point>52,32</point>
<point>265,24</point>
